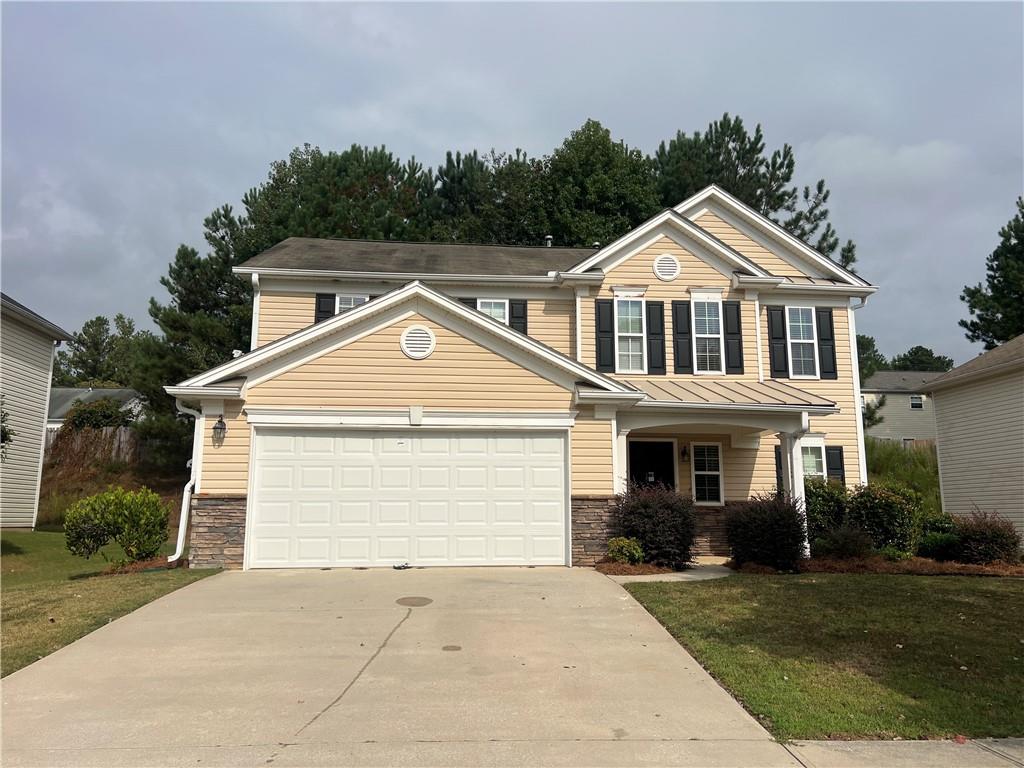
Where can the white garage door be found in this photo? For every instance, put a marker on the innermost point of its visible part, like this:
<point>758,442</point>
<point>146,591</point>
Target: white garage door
<point>351,498</point>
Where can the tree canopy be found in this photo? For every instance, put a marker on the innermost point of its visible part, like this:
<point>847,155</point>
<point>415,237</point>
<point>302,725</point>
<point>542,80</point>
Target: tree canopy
<point>997,307</point>
<point>921,359</point>
<point>869,358</point>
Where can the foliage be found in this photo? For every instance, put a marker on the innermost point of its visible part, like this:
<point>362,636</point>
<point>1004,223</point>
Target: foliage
<point>887,512</point>
<point>136,520</point>
<point>921,359</point>
<point>894,554</point>
<point>95,357</point>
<point>767,530</point>
<point>871,413</point>
<point>986,537</point>
<point>825,502</point>
<point>939,546</point>
<point>916,466</point>
<point>167,439</point>
<point>869,359</point>
<point>662,520</point>
<point>936,521</point>
<point>997,309</point>
<point>104,412</point>
<point>623,550</point>
<point>6,433</point>
<point>842,542</point>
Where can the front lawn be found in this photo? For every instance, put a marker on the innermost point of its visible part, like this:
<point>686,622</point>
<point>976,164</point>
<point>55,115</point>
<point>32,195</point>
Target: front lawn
<point>858,656</point>
<point>50,598</point>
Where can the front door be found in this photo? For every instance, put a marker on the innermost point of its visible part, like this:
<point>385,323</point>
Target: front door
<point>652,462</point>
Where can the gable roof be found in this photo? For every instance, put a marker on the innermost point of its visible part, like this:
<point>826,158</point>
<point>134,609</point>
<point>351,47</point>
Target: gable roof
<point>1003,358</point>
<point>899,381</point>
<point>748,215</point>
<point>62,398</point>
<point>309,254</point>
<point>216,378</point>
<point>36,321</point>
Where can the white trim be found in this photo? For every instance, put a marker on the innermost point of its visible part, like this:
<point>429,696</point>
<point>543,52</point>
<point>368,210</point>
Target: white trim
<point>552,278</point>
<point>579,324</point>
<point>503,302</point>
<point>643,332</point>
<point>417,354</point>
<point>254,331</point>
<point>197,453</point>
<point>656,439</point>
<point>193,393</point>
<point>42,439</point>
<point>250,496</point>
<point>567,469</point>
<point>674,268</point>
<point>281,284</point>
<point>815,442</point>
<point>387,418</point>
<point>338,297</point>
<point>704,296</point>
<point>862,463</point>
<point>813,342</point>
<point>920,406</point>
<point>757,335</point>
<point>721,475</point>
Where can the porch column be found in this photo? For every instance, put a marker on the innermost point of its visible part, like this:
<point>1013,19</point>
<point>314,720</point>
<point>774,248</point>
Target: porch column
<point>793,478</point>
<point>621,458</point>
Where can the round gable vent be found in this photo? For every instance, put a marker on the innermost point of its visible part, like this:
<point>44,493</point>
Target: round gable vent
<point>417,342</point>
<point>666,267</point>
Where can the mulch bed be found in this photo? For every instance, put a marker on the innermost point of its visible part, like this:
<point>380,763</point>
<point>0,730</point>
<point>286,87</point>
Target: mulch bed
<point>157,563</point>
<point>612,568</point>
<point>915,566</point>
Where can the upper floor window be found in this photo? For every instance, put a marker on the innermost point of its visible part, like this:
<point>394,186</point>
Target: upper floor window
<point>707,334</point>
<point>802,343</point>
<point>629,335</point>
<point>347,301</point>
<point>916,402</point>
<point>496,308</point>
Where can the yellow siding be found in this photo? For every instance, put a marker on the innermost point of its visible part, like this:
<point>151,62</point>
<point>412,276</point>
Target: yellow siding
<point>591,455</point>
<point>282,313</point>
<point>761,256</point>
<point>552,322</point>
<point>226,467</point>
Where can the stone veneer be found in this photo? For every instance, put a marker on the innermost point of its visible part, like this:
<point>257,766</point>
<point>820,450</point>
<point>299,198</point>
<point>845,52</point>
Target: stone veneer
<point>218,532</point>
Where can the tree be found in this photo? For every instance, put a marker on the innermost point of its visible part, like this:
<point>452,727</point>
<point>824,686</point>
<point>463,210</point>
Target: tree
<point>997,309</point>
<point>921,359</point>
<point>871,412</point>
<point>869,358</point>
<point>98,358</point>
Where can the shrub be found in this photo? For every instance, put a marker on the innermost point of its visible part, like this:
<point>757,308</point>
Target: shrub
<point>887,512</point>
<point>105,412</point>
<point>661,520</point>
<point>936,521</point>
<point>915,466</point>
<point>767,530</point>
<point>894,554</point>
<point>939,546</point>
<point>985,537</point>
<point>826,506</point>
<point>623,550</point>
<point>136,520</point>
<point>843,543</point>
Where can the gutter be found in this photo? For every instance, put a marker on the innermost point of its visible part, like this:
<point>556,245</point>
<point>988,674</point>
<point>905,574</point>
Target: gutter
<point>551,278</point>
<point>186,493</point>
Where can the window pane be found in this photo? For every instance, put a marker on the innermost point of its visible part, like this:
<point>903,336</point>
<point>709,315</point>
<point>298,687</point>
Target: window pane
<point>709,355</point>
<point>705,488</point>
<point>814,461</point>
<point>803,359</point>
<point>705,458</point>
<point>629,316</point>
<point>801,324</point>
<point>706,319</point>
<point>495,309</point>
<point>631,356</point>
<point>916,402</point>
<point>349,302</point>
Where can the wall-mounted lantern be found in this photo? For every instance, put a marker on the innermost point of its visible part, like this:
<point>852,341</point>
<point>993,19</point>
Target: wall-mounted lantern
<point>220,429</point>
<point>684,454</point>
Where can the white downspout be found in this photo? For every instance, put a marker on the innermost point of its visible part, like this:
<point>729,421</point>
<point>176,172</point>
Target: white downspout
<point>186,494</point>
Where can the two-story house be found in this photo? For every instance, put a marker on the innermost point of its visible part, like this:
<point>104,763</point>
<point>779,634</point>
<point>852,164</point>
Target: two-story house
<point>907,412</point>
<point>443,404</point>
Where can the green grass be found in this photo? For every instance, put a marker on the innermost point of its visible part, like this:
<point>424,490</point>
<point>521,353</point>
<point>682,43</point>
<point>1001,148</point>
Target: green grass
<point>915,466</point>
<point>49,597</point>
<point>843,656</point>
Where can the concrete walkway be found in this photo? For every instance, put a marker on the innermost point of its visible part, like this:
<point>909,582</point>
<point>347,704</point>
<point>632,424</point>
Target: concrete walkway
<point>983,753</point>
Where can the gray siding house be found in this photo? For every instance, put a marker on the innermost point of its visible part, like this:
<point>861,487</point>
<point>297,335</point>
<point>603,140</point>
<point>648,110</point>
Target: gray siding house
<point>27,346</point>
<point>979,418</point>
<point>908,413</point>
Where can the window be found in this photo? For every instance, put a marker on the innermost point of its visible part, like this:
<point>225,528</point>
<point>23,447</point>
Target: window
<point>347,301</point>
<point>707,335</point>
<point>916,402</point>
<point>629,335</point>
<point>802,348</point>
<point>814,460</point>
<point>496,308</point>
<point>707,473</point>
<point>908,442</point>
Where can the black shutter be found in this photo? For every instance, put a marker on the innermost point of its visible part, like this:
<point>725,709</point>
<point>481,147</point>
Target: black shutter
<point>733,337</point>
<point>826,344</point>
<point>779,484</point>
<point>517,315</point>
<point>834,466</point>
<point>604,320</point>
<point>778,355</point>
<point>325,306</point>
<point>656,337</point>
<point>471,303</point>
<point>681,348</point>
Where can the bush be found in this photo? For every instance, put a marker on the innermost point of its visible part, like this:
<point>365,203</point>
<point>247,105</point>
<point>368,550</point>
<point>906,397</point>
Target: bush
<point>623,550</point>
<point>844,542</point>
<point>767,530</point>
<point>136,520</point>
<point>105,412</point>
<point>826,506</point>
<point>915,466</point>
<point>894,554</point>
<point>936,522</point>
<point>888,513</point>
<point>985,537</point>
<point>661,520</point>
<point>939,546</point>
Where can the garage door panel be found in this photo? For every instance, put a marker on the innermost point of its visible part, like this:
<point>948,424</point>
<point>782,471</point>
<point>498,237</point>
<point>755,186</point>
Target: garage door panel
<point>356,499</point>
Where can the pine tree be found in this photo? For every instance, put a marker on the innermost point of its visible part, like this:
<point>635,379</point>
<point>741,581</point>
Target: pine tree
<point>997,309</point>
<point>869,358</point>
<point>921,359</point>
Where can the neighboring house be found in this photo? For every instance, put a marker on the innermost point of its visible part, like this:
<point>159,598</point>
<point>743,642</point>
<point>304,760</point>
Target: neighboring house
<point>443,404</point>
<point>62,398</point>
<point>908,414</point>
<point>979,419</point>
<point>28,343</point>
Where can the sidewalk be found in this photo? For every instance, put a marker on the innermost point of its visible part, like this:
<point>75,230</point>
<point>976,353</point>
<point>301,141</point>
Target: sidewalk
<point>983,753</point>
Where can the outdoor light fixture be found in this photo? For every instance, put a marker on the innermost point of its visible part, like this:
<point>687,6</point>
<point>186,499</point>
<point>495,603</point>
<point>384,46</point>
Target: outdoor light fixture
<point>220,429</point>
<point>684,454</point>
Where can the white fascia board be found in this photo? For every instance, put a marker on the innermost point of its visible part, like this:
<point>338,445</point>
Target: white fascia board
<point>204,393</point>
<point>765,224</point>
<point>428,418</point>
<point>631,397</point>
<point>822,290</point>
<point>964,378</point>
<point>816,410</point>
<point>401,277</point>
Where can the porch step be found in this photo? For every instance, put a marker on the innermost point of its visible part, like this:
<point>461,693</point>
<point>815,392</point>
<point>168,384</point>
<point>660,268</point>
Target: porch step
<point>710,539</point>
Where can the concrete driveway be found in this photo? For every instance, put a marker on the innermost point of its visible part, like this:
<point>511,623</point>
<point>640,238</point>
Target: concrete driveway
<point>284,668</point>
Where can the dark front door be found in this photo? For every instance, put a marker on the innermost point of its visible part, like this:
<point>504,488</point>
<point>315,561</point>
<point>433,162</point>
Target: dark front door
<point>652,462</point>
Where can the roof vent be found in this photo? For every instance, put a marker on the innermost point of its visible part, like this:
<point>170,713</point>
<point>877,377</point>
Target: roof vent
<point>548,239</point>
<point>666,267</point>
<point>417,342</point>
<point>237,353</point>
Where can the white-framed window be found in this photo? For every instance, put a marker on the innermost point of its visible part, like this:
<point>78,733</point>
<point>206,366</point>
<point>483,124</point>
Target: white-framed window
<point>706,474</point>
<point>707,333</point>
<point>496,308</point>
<point>916,402</point>
<point>346,301</point>
<point>630,331</point>
<point>812,456</point>
<point>803,343</point>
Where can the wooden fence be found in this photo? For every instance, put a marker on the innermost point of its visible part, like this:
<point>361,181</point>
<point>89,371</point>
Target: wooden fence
<point>88,446</point>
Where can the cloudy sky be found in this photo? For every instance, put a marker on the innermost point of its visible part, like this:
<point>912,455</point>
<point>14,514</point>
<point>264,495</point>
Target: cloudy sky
<point>124,125</point>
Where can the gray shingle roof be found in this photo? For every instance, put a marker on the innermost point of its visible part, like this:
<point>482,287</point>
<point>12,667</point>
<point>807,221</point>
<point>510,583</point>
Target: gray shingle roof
<point>62,398</point>
<point>900,381</point>
<point>1002,357</point>
<point>34,319</point>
